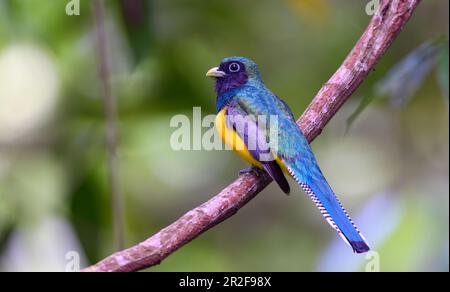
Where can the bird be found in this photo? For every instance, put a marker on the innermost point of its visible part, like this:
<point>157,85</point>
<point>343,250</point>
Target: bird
<point>244,105</point>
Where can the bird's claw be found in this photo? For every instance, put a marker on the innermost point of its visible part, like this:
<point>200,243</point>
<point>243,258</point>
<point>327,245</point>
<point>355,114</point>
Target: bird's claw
<point>250,169</point>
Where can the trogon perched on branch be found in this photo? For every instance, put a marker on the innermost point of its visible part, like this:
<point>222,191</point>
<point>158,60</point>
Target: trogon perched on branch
<point>245,108</point>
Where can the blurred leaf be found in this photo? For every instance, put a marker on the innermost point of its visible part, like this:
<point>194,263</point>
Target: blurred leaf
<point>442,71</point>
<point>365,101</point>
<point>402,81</point>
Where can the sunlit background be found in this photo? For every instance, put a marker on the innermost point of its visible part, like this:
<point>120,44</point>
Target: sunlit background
<point>386,153</point>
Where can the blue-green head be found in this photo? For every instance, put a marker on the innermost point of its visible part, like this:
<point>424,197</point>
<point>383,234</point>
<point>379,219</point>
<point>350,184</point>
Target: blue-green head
<point>232,73</point>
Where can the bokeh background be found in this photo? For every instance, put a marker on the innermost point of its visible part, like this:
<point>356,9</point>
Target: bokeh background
<point>389,162</point>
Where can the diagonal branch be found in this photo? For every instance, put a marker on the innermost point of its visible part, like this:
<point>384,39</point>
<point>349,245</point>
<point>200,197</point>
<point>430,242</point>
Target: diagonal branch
<point>379,35</point>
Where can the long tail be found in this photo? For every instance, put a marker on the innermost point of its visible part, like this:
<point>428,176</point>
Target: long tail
<point>328,204</point>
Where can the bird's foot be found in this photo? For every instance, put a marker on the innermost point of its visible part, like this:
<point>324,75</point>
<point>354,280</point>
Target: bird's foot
<point>251,169</point>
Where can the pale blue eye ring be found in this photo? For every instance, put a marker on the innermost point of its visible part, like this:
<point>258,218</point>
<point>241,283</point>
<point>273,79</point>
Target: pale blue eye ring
<point>234,67</point>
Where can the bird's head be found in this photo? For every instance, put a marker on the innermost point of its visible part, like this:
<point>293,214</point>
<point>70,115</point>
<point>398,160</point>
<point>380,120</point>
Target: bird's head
<point>233,72</point>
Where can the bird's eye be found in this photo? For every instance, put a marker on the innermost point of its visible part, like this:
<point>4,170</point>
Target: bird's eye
<point>234,67</point>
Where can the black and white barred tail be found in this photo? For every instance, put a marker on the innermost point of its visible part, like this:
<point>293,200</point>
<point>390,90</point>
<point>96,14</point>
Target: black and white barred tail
<point>352,236</point>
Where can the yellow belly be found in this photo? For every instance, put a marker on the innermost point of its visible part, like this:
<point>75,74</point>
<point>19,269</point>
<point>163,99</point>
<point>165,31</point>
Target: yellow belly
<point>232,139</point>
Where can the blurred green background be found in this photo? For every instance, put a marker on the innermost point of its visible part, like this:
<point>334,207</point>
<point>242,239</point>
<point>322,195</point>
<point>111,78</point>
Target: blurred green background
<point>390,167</point>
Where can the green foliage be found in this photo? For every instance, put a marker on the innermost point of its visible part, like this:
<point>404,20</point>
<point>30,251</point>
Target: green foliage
<point>401,83</point>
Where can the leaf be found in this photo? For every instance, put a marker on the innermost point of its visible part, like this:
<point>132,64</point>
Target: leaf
<point>442,71</point>
<point>365,101</point>
<point>402,81</point>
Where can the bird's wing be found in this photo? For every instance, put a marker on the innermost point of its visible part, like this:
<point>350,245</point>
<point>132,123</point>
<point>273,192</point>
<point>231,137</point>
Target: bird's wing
<point>295,153</point>
<point>251,130</point>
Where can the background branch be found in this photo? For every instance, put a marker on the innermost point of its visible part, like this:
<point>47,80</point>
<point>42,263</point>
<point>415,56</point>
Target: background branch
<point>378,36</point>
<point>110,102</point>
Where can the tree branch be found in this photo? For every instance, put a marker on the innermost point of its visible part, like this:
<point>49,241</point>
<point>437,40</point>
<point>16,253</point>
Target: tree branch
<point>380,33</point>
